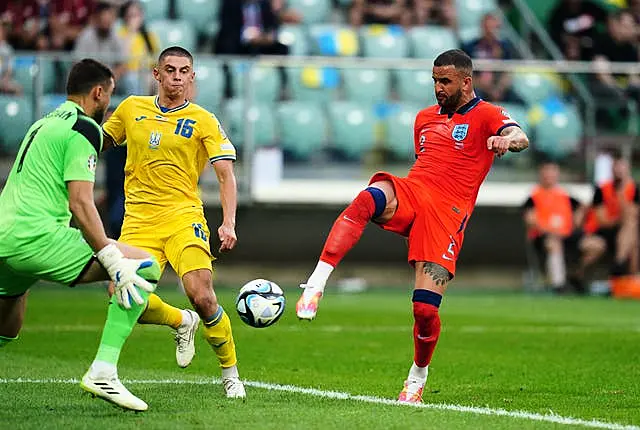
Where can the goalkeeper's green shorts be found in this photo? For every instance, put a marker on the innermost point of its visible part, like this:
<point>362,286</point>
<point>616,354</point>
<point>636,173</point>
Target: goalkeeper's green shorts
<point>61,256</point>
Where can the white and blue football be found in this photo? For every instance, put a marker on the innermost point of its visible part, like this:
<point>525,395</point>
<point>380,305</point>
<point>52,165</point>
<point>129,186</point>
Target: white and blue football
<point>260,303</point>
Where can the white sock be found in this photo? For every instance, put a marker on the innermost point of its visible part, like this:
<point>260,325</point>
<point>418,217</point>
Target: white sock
<point>101,369</point>
<point>418,373</point>
<point>557,269</point>
<point>186,318</point>
<point>320,275</point>
<point>230,372</point>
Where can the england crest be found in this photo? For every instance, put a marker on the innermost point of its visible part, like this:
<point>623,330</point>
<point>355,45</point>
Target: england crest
<point>460,132</point>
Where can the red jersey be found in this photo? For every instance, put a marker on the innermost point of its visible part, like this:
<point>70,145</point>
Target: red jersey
<point>452,158</point>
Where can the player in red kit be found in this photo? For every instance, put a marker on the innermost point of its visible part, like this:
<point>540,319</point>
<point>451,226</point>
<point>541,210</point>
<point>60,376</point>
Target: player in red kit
<point>455,143</point>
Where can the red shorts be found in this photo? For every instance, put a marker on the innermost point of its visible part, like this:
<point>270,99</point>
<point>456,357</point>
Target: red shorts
<point>435,229</point>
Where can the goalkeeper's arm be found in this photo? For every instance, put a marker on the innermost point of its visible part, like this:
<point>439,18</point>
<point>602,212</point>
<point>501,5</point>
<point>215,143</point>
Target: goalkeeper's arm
<point>86,214</point>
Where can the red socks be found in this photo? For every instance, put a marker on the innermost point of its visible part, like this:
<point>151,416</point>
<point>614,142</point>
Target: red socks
<point>348,228</point>
<point>426,327</point>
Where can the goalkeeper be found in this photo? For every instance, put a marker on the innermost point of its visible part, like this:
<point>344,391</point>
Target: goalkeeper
<point>51,179</point>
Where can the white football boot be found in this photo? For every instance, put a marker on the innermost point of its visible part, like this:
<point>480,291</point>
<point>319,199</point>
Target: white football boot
<point>307,305</point>
<point>185,338</point>
<point>110,388</point>
<point>234,388</point>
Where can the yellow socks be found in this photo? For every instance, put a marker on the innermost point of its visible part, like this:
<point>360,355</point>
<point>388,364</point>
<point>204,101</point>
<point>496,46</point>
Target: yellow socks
<point>160,313</point>
<point>217,331</point>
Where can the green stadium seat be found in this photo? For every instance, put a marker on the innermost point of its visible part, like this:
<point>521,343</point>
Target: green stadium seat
<point>295,37</point>
<point>260,115</point>
<point>366,85</point>
<point>25,70</point>
<point>265,82</point>
<point>17,117</point>
<point>519,113</point>
<point>469,34</point>
<point>175,32</point>
<point>470,12</point>
<point>155,9</point>
<point>316,84</point>
<point>384,41</point>
<point>199,13</point>
<point>303,128</point>
<point>116,100</point>
<point>534,87</point>
<point>51,101</point>
<point>209,83</point>
<point>428,42</point>
<point>352,128</point>
<point>312,11</point>
<point>559,133</point>
<point>399,129</point>
<point>415,86</point>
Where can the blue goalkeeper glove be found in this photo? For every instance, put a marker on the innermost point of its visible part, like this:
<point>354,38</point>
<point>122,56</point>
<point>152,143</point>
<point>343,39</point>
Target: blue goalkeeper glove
<point>124,273</point>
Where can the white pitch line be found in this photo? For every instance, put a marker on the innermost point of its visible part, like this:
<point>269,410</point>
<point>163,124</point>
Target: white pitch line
<point>338,395</point>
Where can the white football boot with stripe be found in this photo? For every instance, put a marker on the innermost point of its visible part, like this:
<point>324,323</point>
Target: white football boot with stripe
<point>185,338</point>
<point>110,388</point>
<point>234,388</point>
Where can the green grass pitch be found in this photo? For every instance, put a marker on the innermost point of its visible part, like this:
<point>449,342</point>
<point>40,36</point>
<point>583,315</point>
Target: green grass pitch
<point>562,361</point>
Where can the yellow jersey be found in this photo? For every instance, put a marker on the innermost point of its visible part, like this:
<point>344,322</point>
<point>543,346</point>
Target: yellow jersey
<point>167,150</point>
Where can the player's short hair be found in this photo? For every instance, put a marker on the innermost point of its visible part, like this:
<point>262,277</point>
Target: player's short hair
<point>456,58</point>
<point>175,51</point>
<point>85,75</point>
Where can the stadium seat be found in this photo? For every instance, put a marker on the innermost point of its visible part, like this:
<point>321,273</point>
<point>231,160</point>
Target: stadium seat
<point>51,101</point>
<point>209,83</point>
<point>313,11</point>
<point>175,32</point>
<point>533,87</point>
<point>303,128</point>
<point>384,41</point>
<point>260,115</point>
<point>17,116</point>
<point>415,86</point>
<point>116,100</point>
<point>265,81</point>
<point>319,84</point>
<point>334,40</point>
<point>557,128</point>
<point>295,37</point>
<point>155,9</point>
<point>429,41</point>
<point>352,128</point>
<point>399,129</point>
<point>519,113</point>
<point>366,85</point>
<point>470,12</point>
<point>200,13</point>
<point>26,69</point>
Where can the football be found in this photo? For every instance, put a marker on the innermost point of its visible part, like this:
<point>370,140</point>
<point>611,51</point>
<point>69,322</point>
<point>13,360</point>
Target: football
<point>260,303</point>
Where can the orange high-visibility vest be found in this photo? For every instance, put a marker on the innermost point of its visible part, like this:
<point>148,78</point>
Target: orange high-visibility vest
<point>552,208</point>
<point>611,204</point>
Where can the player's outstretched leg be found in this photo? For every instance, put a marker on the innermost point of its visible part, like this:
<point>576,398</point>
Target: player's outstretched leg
<point>426,327</point>
<point>217,326</point>
<point>345,233</point>
<point>184,321</point>
<point>102,377</point>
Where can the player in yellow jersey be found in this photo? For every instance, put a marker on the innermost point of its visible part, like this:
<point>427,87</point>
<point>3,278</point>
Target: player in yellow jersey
<point>170,141</point>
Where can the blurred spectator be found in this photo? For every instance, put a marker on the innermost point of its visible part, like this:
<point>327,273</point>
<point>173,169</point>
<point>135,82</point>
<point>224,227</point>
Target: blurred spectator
<point>248,27</point>
<point>553,219</point>
<point>99,40</point>
<point>634,9</point>
<point>285,15</point>
<point>618,45</point>
<point>614,217</point>
<point>45,24</point>
<point>380,12</point>
<point>491,86</point>
<point>432,12</point>
<point>7,84</point>
<point>573,26</point>
<point>140,45</point>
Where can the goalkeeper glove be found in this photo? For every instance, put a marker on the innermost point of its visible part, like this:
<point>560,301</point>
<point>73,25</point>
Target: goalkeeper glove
<point>123,272</point>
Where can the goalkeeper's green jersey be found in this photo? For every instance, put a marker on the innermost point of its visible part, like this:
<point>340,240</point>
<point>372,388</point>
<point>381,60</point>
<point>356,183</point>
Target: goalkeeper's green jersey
<point>63,146</point>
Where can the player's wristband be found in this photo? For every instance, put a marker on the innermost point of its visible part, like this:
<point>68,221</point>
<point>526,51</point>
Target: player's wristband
<point>109,255</point>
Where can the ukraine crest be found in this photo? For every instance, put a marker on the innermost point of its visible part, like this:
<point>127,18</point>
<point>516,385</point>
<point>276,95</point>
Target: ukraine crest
<point>460,132</point>
<point>154,139</point>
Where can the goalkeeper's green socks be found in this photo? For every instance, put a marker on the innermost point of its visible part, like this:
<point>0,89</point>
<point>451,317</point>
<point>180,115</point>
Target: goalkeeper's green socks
<point>118,327</point>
